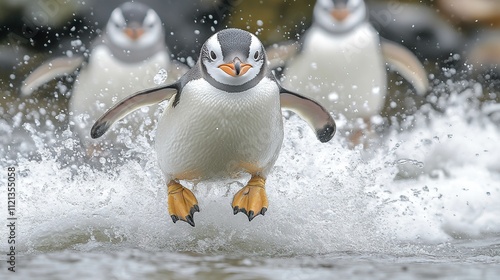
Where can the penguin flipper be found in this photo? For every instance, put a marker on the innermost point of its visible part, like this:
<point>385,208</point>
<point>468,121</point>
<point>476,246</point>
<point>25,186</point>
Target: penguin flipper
<point>279,54</point>
<point>49,70</point>
<point>312,112</point>
<point>407,64</point>
<point>130,104</point>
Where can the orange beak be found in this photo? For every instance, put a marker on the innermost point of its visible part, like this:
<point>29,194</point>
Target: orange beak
<point>236,68</point>
<point>134,33</point>
<point>340,14</point>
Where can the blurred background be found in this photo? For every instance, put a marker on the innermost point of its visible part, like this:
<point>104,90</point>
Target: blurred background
<point>453,38</point>
<point>425,205</point>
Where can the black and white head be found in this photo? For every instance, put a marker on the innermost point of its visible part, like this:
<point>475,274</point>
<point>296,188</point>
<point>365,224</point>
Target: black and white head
<point>338,16</point>
<point>134,26</point>
<point>233,60</point>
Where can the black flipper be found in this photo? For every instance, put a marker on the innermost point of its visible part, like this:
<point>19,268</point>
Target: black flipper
<point>128,105</point>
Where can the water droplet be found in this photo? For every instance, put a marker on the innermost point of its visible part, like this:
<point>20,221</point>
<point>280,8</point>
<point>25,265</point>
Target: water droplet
<point>160,77</point>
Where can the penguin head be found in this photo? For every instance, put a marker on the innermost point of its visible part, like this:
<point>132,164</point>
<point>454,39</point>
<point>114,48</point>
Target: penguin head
<point>339,16</point>
<point>134,25</point>
<point>233,57</point>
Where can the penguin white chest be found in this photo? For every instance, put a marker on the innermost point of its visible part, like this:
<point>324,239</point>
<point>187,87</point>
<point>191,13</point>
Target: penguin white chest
<point>107,80</point>
<point>213,133</point>
<point>345,73</point>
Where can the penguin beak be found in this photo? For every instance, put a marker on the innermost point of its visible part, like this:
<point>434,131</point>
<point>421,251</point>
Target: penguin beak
<point>236,68</point>
<point>340,14</point>
<point>134,33</point>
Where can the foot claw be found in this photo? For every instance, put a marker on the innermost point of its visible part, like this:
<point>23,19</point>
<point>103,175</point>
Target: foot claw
<point>251,199</point>
<point>194,209</point>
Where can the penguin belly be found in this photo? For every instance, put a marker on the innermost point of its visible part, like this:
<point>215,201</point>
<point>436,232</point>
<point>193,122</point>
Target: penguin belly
<point>212,133</point>
<point>345,73</point>
<point>105,81</point>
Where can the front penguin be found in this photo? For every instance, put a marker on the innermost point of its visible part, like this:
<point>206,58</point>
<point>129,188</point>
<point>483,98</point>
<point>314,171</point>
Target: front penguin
<point>223,119</point>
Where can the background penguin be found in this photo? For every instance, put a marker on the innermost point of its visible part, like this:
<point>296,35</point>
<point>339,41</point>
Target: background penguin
<point>121,61</point>
<point>340,63</point>
<point>223,118</point>
<point>418,27</point>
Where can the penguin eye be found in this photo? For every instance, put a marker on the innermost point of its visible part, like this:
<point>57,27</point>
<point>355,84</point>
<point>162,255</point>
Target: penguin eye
<point>256,55</point>
<point>213,56</point>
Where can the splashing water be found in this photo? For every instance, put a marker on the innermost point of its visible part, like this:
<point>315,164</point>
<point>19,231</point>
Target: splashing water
<point>416,192</point>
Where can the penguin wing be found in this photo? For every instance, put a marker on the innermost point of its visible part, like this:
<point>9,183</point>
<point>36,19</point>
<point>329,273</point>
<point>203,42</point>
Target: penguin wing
<point>49,70</point>
<point>407,64</point>
<point>309,110</point>
<point>130,104</point>
<point>279,54</point>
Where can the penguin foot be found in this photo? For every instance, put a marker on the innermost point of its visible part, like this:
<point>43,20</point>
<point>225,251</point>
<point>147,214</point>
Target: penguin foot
<point>251,199</point>
<point>182,204</point>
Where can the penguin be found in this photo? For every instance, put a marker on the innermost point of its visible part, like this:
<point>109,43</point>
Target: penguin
<point>124,59</point>
<point>341,62</point>
<point>223,119</point>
